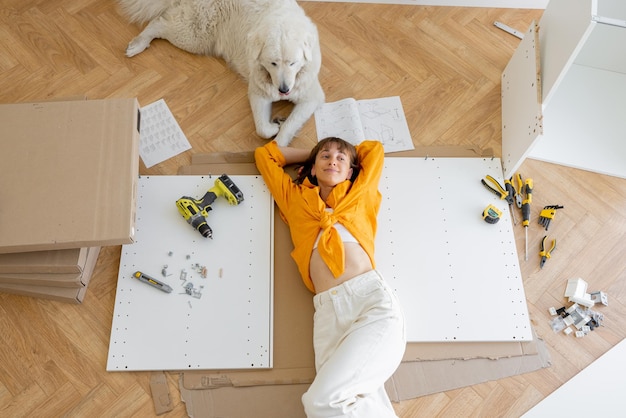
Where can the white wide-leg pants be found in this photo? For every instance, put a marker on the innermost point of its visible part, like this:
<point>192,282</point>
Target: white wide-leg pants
<point>359,340</point>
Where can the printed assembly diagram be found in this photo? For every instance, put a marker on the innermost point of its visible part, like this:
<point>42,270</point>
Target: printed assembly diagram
<point>379,119</point>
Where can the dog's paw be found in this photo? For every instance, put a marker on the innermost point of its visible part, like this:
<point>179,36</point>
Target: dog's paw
<point>136,46</point>
<point>268,130</point>
<point>282,140</point>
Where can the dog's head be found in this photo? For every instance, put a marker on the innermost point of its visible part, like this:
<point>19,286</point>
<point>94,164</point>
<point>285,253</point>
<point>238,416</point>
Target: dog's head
<point>283,54</point>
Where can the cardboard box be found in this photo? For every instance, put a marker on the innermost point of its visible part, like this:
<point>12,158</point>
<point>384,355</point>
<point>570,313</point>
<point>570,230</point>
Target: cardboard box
<point>52,291</point>
<point>413,379</point>
<point>43,279</point>
<point>48,268</point>
<point>69,174</point>
<point>211,393</point>
<point>60,261</point>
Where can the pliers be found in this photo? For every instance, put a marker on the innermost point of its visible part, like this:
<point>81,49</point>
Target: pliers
<point>498,190</point>
<point>508,184</point>
<point>545,253</point>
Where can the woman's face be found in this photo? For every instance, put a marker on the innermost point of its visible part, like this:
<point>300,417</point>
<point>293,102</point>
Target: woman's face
<point>332,166</point>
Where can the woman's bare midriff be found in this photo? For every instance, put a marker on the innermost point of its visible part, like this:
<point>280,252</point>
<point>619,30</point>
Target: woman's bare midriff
<point>357,262</point>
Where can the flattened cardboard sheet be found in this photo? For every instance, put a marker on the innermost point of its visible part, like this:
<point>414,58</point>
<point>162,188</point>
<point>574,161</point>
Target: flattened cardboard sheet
<point>69,172</point>
<point>293,343</point>
<point>55,278</point>
<point>268,401</point>
<point>160,393</point>
<point>60,261</point>
<point>61,294</point>
<point>43,279</point>
<point>419,378</point>
<point>411,380</point>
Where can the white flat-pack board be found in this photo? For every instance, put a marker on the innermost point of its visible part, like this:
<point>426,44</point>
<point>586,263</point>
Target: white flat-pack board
<point>605,375</point>
<point>457,277</point>
<point>582,90</point>
<point>521,102</point>
<point>219,314</point>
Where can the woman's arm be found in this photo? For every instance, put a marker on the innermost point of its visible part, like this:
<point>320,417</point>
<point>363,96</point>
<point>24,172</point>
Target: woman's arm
<point>270,160</point>
<point>294,155</point>
<point>371,160</point>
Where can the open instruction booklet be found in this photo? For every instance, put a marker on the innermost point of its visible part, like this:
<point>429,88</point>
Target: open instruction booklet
<point>379,119</point>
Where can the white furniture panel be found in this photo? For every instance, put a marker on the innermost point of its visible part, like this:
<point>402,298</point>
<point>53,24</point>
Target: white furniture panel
<point>604,379</point>
<point>583,80</point>
<point>227,320</point>
<point>457,277</point>
<point>562,27</point>
<point>521,103</point>
<point>585,124</point>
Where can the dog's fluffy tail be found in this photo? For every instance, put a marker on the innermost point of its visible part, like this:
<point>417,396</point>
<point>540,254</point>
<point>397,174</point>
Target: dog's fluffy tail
<point>141,11</point>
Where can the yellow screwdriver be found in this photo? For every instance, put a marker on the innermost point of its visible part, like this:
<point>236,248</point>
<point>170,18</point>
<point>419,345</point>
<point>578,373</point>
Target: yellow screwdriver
<point>519,190</point>
<point>528,198</point>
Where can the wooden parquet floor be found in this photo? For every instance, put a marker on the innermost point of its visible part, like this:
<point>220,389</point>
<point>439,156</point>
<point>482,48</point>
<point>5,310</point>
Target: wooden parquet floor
<point>444,62</point>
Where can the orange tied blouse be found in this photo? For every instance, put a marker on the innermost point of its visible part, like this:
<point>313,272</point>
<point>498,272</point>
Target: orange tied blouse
<point>355,206</point>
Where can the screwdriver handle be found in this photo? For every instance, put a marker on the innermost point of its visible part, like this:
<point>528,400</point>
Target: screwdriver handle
<point>528,189</point>
<point>519,190</point>
<point>528,192</point>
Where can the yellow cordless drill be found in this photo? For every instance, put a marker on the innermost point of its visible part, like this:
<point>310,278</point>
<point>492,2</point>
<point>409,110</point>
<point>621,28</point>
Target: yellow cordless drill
<point>195,211</point>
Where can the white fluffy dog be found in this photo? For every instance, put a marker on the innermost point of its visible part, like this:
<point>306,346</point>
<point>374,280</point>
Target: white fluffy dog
<point>271,43</point>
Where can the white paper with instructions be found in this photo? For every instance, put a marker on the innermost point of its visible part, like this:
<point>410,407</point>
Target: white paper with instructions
<point>160,136</point>
<point>379,119</point>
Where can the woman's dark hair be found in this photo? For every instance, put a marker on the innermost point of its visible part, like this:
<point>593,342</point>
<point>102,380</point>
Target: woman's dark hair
<point>343,146</point>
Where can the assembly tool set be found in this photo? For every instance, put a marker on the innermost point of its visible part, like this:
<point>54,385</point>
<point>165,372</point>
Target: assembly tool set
<point>518,193</point>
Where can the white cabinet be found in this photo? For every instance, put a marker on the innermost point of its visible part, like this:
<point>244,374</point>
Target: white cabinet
<point>583,90</point>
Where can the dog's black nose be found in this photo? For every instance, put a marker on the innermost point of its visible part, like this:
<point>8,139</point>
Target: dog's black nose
<point>283,89</point>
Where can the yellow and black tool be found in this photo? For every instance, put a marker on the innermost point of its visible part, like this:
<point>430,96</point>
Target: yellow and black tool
<point>508,185</point>
<point>528,199</point>
<point>547,214</point>
<point>545,253</point>
<point>519,190</point>
<point>491,214</point>
<point>497,189</point>
<point>196,212</point>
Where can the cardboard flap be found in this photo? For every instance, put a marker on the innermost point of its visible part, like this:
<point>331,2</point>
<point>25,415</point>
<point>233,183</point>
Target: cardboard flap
<point>160,393</point>
<point>218,169</point>
<point>59,261</point>
<point>238,378</point>
<point>59,293</point>
<point>223,157</point>
<point>42,279</point>
<point>468,350</point>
